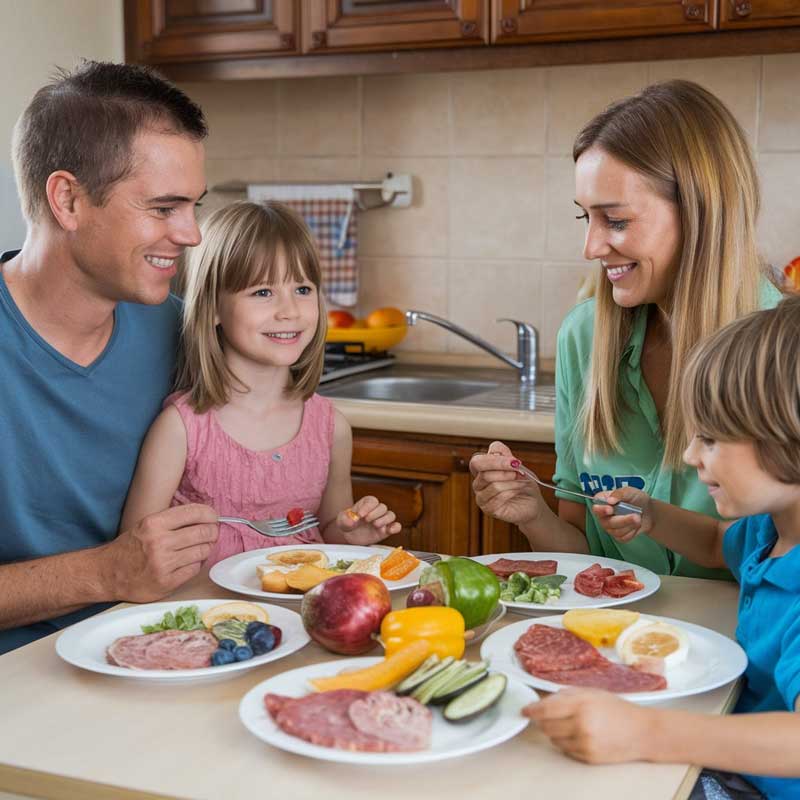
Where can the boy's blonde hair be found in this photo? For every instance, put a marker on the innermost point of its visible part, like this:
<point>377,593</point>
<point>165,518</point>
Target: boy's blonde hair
<point>743,384</point>
<point>240,248</point>
<point>693,153</point>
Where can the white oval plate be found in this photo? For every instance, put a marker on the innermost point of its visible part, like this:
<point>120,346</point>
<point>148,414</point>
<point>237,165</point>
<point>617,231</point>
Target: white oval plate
<point>713,660</point>
<point>570,564</point>
<point>238,573</point>
<point>84,644</point>
<point>448,740</point>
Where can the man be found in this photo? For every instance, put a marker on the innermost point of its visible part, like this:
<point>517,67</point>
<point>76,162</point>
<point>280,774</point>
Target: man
<point>109,166</point>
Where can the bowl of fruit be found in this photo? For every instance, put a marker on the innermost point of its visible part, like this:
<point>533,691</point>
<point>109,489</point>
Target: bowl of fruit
<point>378,331</point>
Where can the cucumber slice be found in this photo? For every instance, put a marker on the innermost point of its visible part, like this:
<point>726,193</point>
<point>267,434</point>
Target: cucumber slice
<point>430,667</point>
<point>477,699</point>
<point>425,691</point>
<point>468,677</point>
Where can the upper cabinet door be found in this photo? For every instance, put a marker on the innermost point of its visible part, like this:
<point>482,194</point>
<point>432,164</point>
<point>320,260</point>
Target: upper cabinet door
<point>164,31</point>
<point>759,13</point>
<point>334,26</point>
<point>519,21</point>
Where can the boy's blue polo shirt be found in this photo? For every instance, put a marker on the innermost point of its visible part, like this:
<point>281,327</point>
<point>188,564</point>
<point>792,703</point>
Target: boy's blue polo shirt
<point>768,627</point>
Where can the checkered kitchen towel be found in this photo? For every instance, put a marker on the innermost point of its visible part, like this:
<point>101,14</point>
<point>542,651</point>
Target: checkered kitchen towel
<point>330,213</point>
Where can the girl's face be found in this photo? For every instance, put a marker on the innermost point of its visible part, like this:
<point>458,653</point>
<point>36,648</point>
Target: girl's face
<point>632,230</point>
<point>736,480</point>
<point>269,324</point>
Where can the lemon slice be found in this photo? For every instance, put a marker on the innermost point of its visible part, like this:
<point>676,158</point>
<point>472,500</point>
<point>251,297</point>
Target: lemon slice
<point>656,640</point>
<point>245,612</point>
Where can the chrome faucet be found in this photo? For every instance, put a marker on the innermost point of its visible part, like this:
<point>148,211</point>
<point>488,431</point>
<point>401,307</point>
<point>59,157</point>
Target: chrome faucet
<point>527,343</point>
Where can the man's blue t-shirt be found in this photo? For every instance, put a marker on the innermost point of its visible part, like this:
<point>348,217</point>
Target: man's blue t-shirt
<point>70,435</point>
<point>768,627</point>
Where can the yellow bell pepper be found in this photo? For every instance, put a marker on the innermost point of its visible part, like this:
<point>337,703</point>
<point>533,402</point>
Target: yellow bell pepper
<point>382,675</point>
<point>441,626</point>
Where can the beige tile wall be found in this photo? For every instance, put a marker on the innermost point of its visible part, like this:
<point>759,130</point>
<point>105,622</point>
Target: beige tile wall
<point>492,231</point>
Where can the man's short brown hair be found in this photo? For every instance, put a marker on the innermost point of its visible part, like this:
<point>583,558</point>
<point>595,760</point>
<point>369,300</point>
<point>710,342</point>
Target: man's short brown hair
<point>85,121</point>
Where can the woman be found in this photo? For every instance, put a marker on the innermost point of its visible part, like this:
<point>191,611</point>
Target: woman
<point>667,185</point>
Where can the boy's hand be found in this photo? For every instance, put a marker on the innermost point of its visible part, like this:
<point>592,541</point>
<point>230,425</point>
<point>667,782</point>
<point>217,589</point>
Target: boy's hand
<point>367,522</point>
<point>624,527</point>
<point>592,725</point>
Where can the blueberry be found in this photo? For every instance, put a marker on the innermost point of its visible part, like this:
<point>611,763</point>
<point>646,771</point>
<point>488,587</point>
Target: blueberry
<point>242,653</point>
<point>262,641</point>
<point>221,657</point>
<point>227,644</point>
<point>254,626</point>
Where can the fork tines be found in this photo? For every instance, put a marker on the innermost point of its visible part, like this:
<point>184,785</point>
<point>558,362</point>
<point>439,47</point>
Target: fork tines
<point>282,525</point>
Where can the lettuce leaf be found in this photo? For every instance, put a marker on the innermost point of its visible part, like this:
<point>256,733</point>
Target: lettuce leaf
<point>185,618</point>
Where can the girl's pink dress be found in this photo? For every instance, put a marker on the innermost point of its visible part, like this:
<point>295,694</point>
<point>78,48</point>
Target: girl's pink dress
<point>238,482</point>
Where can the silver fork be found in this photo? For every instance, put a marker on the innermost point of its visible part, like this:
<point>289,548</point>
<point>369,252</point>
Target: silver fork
<point>276,527</point>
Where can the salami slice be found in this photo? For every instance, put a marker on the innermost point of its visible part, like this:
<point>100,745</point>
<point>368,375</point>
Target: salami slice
<point>324,719</point>
<point>542,649</point>
<point>621,585</point>
<point>504,567</point>
<point>163,650</point>
<point>402,721</point>
<point>612,677</point>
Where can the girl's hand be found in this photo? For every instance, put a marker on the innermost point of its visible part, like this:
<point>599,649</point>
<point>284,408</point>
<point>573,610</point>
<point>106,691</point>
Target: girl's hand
<point>593,726</point>
<point>500,490</point>
<point>367,522</point>
<point>624,527</point>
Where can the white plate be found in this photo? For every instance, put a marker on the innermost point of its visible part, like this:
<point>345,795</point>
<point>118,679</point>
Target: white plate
<point>84,644</point>
<point>713,660</point>
<point>448,740</point>
<point>570,564</point>
<point>238,573</point>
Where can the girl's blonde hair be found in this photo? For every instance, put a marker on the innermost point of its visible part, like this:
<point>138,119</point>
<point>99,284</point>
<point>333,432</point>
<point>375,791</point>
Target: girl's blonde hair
<point>693,152</point>
<point>743,384</point>
<point>241,247</point>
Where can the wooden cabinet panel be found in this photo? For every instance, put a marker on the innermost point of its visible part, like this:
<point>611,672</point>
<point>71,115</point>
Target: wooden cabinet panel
<point>759,13</point>
<point>166,31</point>
<point>519,21</point>
<point>426,481</point>
<point>335,26</point>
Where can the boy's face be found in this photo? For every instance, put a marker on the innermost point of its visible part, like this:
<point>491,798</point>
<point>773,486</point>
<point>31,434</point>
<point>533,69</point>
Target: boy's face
<point>736,480</point>
<point>128,248</point>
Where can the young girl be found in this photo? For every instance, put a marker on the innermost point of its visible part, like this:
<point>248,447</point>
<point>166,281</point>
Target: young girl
<point>741,397</point>
<point>246,433</point>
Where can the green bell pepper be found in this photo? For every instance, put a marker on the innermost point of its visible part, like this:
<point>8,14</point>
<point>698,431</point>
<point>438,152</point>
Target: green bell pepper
<point>467,586</point>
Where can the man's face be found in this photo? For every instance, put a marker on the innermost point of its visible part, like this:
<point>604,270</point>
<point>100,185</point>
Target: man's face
<point>127,249</point>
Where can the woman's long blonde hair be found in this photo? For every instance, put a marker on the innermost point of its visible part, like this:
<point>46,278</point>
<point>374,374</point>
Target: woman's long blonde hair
<point>743,384</point>
<point>241,247</point>
<point>693,152</point>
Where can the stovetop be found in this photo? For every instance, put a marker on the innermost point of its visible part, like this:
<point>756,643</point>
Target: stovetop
<point>349,358</point>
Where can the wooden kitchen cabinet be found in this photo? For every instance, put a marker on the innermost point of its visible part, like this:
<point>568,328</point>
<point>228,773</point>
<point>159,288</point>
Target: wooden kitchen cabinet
<point>523,21</point>
<point>758,13</point>
<point>164,31</point>
<point>426,481</point>
<point>331,26</point>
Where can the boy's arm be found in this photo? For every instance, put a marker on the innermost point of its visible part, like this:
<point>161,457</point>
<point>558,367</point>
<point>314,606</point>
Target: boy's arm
<point>159,469</point>
<point>694,535</point>
<point>600,728</point>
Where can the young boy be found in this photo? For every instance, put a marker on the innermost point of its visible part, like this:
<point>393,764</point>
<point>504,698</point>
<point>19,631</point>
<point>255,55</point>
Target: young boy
<point>741,398</point>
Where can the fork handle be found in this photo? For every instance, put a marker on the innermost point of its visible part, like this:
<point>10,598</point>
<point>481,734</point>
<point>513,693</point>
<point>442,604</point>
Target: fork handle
<point>233,519</point>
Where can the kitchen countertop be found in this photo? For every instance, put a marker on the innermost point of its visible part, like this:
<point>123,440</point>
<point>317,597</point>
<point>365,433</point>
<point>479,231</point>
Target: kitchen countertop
<point>69,733</point>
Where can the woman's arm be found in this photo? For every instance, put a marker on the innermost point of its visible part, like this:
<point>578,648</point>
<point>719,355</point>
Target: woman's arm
<point>159,469</point>
<point>599,728</point>
<point>365,522</point>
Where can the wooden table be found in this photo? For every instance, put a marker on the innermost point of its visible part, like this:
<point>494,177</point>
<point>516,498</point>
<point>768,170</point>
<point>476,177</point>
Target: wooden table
<point>69,733</point>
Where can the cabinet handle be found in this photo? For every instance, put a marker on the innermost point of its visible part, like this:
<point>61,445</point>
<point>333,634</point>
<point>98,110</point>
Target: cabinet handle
<point>508,25</point>
<point>469,27</point>
<point>743,8</point>
<point>319,39</point>
<point>287,41</point>
<point>694,12</point>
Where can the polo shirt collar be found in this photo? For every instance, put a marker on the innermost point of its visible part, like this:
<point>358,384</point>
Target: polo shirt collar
<point>783,571</point>
<point>632,352</point>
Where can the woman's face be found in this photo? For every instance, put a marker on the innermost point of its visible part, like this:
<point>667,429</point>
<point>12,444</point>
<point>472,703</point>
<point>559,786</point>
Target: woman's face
<point>634,232</point>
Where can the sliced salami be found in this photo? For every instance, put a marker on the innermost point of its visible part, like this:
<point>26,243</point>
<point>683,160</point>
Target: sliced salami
<point>324,719</point>
<point>163,650</point>
<point>621,585</point>
<point>402,721</point>
<point>596,580</point>
<point>612,677</point>
<point>543,649</point>
<point>504,567</point>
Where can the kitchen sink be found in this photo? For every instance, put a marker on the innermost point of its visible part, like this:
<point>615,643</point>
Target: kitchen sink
<point>461,386</point>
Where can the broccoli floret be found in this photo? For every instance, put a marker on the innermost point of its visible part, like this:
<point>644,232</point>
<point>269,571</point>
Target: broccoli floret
<point>518,583</point>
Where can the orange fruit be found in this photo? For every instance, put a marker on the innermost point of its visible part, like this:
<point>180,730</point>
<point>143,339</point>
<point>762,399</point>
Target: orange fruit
<point>340,319</point>
<point>386,318</point>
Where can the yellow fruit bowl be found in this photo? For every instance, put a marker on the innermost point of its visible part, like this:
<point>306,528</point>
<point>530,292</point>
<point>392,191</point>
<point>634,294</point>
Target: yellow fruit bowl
<point>373,339</point>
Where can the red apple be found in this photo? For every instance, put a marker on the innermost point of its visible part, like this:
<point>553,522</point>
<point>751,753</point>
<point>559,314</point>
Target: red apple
<point>343,612</point>
<point>340,319</point>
